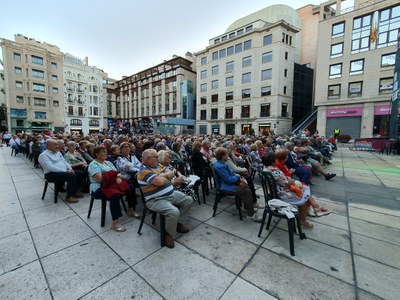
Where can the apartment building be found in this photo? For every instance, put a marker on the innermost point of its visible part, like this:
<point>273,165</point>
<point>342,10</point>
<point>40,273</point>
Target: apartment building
<point>355,68</point>
<point>33,85</point>
<point>83,95</point>
<point>245,76</point>
<point>3,109</point>
<point>163,94</point>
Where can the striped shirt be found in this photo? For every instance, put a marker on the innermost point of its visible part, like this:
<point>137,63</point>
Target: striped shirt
<point>150,191</point>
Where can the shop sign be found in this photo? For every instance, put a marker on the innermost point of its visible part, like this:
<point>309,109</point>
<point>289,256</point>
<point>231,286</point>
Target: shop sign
<point>344,112</point>
<point>383,110</point>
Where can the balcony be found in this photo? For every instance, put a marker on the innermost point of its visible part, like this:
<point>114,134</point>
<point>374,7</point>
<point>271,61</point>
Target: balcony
<point>229,116</point>
<point>245,115</point>
<point>214,117</point>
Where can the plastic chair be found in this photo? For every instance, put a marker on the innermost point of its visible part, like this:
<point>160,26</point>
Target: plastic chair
<point>56,191</point>
<point>103,208</point>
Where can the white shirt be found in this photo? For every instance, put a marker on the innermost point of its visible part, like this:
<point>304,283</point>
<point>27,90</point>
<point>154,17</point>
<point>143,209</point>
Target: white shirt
<point>53,162</point>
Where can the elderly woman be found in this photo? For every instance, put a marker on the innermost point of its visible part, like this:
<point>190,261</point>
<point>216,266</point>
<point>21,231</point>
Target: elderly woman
<point>115,153</point>
<point>88,154</point>
<point>73,157</point>
<point>256,162</point>
<point>129,165</point>
<point>97,169</point>
<point>234,184</point>
<point>179,181</point>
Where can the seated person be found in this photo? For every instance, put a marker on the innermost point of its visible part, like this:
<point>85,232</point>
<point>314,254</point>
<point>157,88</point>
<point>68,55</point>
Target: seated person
<point>115,153</point>
<point>36,150</point>
<point>303,173</point>
<point>256,161</point>
<point>57,169</point>
<point>73,157</point>
<point>234,184</point>
<point>97,168</point>
<point>155,183</point>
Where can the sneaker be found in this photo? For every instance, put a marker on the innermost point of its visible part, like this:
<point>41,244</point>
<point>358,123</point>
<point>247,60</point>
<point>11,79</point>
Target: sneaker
<point>254,218</point>
<point>258,205</point>
<point>169,241</point>
<point>329,176</point>
<point>118,227</point>
<point>182,228</point>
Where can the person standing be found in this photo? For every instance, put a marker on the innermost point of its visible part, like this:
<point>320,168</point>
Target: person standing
<point>336,133</point>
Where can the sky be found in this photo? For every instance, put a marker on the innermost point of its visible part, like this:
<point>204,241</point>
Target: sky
<point>124,37</point>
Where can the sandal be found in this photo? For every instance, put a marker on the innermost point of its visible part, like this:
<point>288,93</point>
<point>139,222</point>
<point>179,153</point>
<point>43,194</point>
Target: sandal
<point>321,211</point>
<point>306,225</point>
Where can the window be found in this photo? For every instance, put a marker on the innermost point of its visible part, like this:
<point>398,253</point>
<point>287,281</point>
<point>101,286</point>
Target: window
<point>39,101</point>
<point>285,72</point>
<point>214,98</point>
<point>287,39</point>
<point>246,61</point>
<point>203,100</point>
<point>76,122</point>
<point>266,74</point>
<point>355,89</point>
<point>204,60</point>
<point>361,34</point>
<point>203,87</point>
<point>231,35</point>
<point>246,93</point>
<point>240,32</point>
<point>224,38</point>
<point>267,39</point>
<point>18,84</point>
<point>37,60</point>
<point>215,55</point>
<point>94,123</point>
<point>335,71</point>
<point>56,103</point>
<point>267,57</point>
<point>214,113</point>
<point>40,115</point>
<point>249,28</point>
<point>337,30</point>
<point>214,84</point>
<point>53,65</point>
<point>229,66</point>
<point>386,85</point>
<point>337,50</point>
<point>17,56</point>
<point>356,67</point>
<point>238,48</point>
<point>284,90</point>
<point>284,110</point>
<point>37,73</point>
<point>334,91</point>
<point>266,91</point>
<point>80,111</point>
<point>229,81</point>
<point>388,60</point>
<point>18,70</point>
<point>70,111</point>
<point>95,111</point>
<point>286,55</point>
<point>229,113</point>
<point>54,78</point>
<point>265,110</point>
<point>229,50</point>
<point>245,111</point>
<point>389,24</point>
<point>38,87</point>
<point>20,99</point>
<point>215,70</point>
<point>228,96</point>
<point>222,53</point>
<point>20,123</point>
<point>216,41</point>
<point>246,77</point>
<point>203,74</point>
<point>247,45</point>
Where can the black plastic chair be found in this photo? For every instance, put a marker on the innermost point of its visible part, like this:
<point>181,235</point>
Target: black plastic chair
<point>153,217</point>
<point>220,194</point>
<point>270,192</point>
<point>103,208</point>
<point>56,191</point>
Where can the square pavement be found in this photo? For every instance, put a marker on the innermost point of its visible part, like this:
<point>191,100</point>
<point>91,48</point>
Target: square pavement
<point>53,251</point>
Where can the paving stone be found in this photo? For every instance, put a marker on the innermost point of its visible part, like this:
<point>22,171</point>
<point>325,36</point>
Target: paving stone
<point>77,270</point>
<point>58,235</point>
<point>242,290</point>
<point>15,251</point>
<point>48,214</point>
<point>26,282</point>
<point>219,247</point>
<point>376,278</point>
<point>127,285</point>
<point>375,217</point>
<point>377,231</point>
<point>12,224</point>
<point>194,277</point>
<point>9,204</point>
<point>284,278</point>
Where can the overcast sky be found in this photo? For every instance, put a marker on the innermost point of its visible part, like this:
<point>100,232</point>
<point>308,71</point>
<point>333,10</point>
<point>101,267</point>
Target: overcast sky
<point>124,37</point>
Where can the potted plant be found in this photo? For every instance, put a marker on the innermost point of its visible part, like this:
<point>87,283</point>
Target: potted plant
<point>343,138</point>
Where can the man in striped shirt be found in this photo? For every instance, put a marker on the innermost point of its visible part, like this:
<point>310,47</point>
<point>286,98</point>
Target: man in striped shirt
<point>160,196</point>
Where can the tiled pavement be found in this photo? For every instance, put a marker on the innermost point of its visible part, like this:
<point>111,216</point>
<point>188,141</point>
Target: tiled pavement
<point>52,251</point>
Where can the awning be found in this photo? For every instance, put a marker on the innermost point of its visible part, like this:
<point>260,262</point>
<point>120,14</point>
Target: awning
<point>76,128</point>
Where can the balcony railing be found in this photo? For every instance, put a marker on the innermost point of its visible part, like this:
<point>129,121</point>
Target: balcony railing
<point>265,114</point>
<point>245,115</point>
<point>228,116</point>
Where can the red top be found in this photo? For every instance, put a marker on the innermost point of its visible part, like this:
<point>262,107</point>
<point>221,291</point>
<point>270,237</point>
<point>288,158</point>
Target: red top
<point>281,166</point>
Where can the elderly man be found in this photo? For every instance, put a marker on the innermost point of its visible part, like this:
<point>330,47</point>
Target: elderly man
<point>57,169</point>
<point>160,196</point>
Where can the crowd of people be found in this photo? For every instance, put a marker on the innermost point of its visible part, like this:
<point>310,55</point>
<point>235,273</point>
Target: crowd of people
<point>111,166</point>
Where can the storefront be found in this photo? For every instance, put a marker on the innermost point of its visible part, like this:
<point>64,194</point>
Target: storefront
<point>230,129</point>
<point>246,128</point>
<point>264,129</point>
<point>381,120</point>
<point>215,129</point>
<point>347,119</point>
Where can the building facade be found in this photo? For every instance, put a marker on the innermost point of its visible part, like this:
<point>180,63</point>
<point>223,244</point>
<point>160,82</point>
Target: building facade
<point>156,95</point>
<point>33,85</point>
<point>355,67</point>
<point>245,75</point>
<point>3,108</point>
<point>83,95</point>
